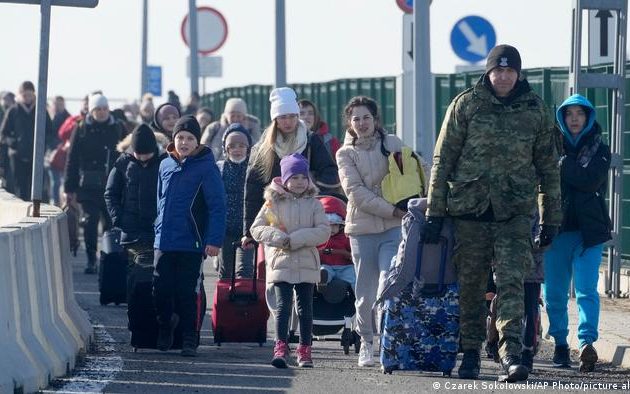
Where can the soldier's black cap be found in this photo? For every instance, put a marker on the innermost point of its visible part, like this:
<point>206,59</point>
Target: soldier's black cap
<point>504,56</point>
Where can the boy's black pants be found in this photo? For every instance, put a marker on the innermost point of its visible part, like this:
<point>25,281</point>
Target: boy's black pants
<point>176,280</point>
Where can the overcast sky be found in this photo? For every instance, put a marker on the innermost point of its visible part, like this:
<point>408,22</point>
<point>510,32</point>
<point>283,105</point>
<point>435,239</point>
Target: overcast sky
<point>326,39</point>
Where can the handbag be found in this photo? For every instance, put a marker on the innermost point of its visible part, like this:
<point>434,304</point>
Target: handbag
<point>111,241</point>
<point>59,156</point>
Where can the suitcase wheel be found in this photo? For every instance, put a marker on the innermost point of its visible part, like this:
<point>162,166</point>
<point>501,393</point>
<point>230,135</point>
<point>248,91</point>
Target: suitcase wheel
<point>447,374</point>
<point>135,350</point>
<point>262,337</point>
<point>217,337</point>
<point>387,370</point>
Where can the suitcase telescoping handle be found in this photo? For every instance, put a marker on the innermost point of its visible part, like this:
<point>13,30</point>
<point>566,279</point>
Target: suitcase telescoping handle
<point>443,256</point>
<point>233,295</point>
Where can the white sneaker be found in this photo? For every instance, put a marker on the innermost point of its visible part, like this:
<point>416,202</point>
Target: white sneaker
<point>365,355</point>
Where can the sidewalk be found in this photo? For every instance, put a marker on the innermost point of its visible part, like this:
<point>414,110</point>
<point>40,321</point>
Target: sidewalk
<point>614,330</point>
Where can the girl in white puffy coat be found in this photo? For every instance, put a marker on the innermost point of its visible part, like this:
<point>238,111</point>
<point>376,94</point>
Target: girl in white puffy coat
<point>291,224</point>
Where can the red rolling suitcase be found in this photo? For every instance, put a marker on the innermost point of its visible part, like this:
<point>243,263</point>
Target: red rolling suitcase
<point>239,309</point>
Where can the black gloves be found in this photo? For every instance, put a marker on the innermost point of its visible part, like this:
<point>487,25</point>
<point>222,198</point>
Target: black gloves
<point>430,232</point>
<point>545,236</point>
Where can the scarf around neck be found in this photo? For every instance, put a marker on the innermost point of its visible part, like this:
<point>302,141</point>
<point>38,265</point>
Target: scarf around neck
<point>284,148</point>
<point>587,151</point>
<point>367,142</point>
<point>27,108</point>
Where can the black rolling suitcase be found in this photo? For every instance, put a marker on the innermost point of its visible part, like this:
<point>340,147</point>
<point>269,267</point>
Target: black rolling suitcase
<point>141,310</point>
<point>112,272</point>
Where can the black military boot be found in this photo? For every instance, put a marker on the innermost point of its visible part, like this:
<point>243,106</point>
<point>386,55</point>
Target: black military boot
<point>561,357</point>
<point>90,268</point>
<point>189,344</point>
<point>492,349</point>
<point>527,359</point>
<point>471,363</point>
<point>166,333</point>
<point>514,370</point>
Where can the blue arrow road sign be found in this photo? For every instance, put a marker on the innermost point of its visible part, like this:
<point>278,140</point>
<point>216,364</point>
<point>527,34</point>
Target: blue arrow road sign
<point>472,38</point>
<point>154,80</point>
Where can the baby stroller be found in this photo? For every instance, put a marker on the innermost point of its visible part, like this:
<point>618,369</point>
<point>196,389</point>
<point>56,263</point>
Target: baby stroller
<point>333,304</point>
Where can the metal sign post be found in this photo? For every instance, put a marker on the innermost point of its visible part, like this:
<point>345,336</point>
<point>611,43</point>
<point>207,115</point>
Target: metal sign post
<point>143,72</point>
<point>211,31</point>
<point>194,65</point>
<point>281,56</point>
<point>616,82</point>
<point>423,124</point>
<point>39,138</point>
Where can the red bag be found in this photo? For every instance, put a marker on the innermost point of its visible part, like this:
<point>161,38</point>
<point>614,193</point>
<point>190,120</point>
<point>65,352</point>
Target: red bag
<point>59,156</point>
<point>239,309</point>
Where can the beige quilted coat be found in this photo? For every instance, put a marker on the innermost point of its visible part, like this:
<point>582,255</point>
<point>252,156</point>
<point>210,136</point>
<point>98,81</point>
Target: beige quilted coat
<point>301,220</point>
<point>362,167</point>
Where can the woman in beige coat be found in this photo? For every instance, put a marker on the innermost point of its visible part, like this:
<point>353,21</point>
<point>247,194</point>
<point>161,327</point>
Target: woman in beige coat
<point>372,223</point>
<point>291,224</point>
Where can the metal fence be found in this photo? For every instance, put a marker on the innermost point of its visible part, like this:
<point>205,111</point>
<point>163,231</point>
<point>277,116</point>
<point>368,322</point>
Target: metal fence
<point>331,97</point>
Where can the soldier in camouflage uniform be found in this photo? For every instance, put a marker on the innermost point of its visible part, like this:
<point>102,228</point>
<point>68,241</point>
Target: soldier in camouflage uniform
<point>495,155</point>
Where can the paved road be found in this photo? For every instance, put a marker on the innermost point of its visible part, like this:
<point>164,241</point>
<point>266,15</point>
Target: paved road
<point>112,366</point>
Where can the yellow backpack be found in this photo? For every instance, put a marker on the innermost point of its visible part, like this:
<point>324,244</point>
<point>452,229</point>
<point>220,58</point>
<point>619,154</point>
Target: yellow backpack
<point>405,179</point>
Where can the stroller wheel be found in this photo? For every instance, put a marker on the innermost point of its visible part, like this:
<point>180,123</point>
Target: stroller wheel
<point>357,342</point>
<point>293,338</point>
<point>346,340</point>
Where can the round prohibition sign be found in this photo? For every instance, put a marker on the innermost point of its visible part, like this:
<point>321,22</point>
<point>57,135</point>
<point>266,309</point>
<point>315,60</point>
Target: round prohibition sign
<point>212,30</point>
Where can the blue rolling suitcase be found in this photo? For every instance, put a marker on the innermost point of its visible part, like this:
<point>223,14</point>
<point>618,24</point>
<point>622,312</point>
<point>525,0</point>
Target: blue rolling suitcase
<point>421,324</point>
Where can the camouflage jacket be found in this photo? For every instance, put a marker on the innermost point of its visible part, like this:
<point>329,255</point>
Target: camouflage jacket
<point>494,153</point>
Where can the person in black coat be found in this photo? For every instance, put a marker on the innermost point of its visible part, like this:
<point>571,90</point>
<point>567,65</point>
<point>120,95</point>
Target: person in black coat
<point>576,253</point>
<point>17,135</point>
<point>286,135</point>
<point>131,193</point>
<point>91,156</point>
<point>236,146</point>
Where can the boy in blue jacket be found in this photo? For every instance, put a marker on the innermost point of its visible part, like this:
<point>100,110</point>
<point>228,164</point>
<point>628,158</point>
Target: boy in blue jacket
<point>189,225</point>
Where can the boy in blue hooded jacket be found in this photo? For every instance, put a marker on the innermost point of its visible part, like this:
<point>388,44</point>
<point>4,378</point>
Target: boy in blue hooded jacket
<point>189,225</point>
<point>575,254</point>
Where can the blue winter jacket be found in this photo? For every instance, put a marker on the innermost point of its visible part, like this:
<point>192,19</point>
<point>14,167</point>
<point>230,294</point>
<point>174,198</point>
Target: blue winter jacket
<point>191,203</point>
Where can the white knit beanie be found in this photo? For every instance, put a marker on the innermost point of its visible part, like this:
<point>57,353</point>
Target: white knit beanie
<point>235,104</point>
<point>97,100</point>
<point>283,102</point>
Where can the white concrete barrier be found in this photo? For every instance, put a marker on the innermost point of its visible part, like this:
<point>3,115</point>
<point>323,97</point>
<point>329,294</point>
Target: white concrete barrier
<point>42,328</point>
<point>19,368</point>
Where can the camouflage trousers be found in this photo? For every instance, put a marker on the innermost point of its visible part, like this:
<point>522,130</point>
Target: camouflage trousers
<point>477,246</point>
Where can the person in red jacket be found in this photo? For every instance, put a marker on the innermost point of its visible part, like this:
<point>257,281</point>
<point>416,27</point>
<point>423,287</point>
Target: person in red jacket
<point>335,256</point>
<point>310,115</point>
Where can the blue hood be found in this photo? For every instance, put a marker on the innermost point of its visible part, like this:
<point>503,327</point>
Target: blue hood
<point>580,100</point>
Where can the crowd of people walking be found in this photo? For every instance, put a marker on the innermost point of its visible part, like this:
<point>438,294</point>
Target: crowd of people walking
<point>182,186</point>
